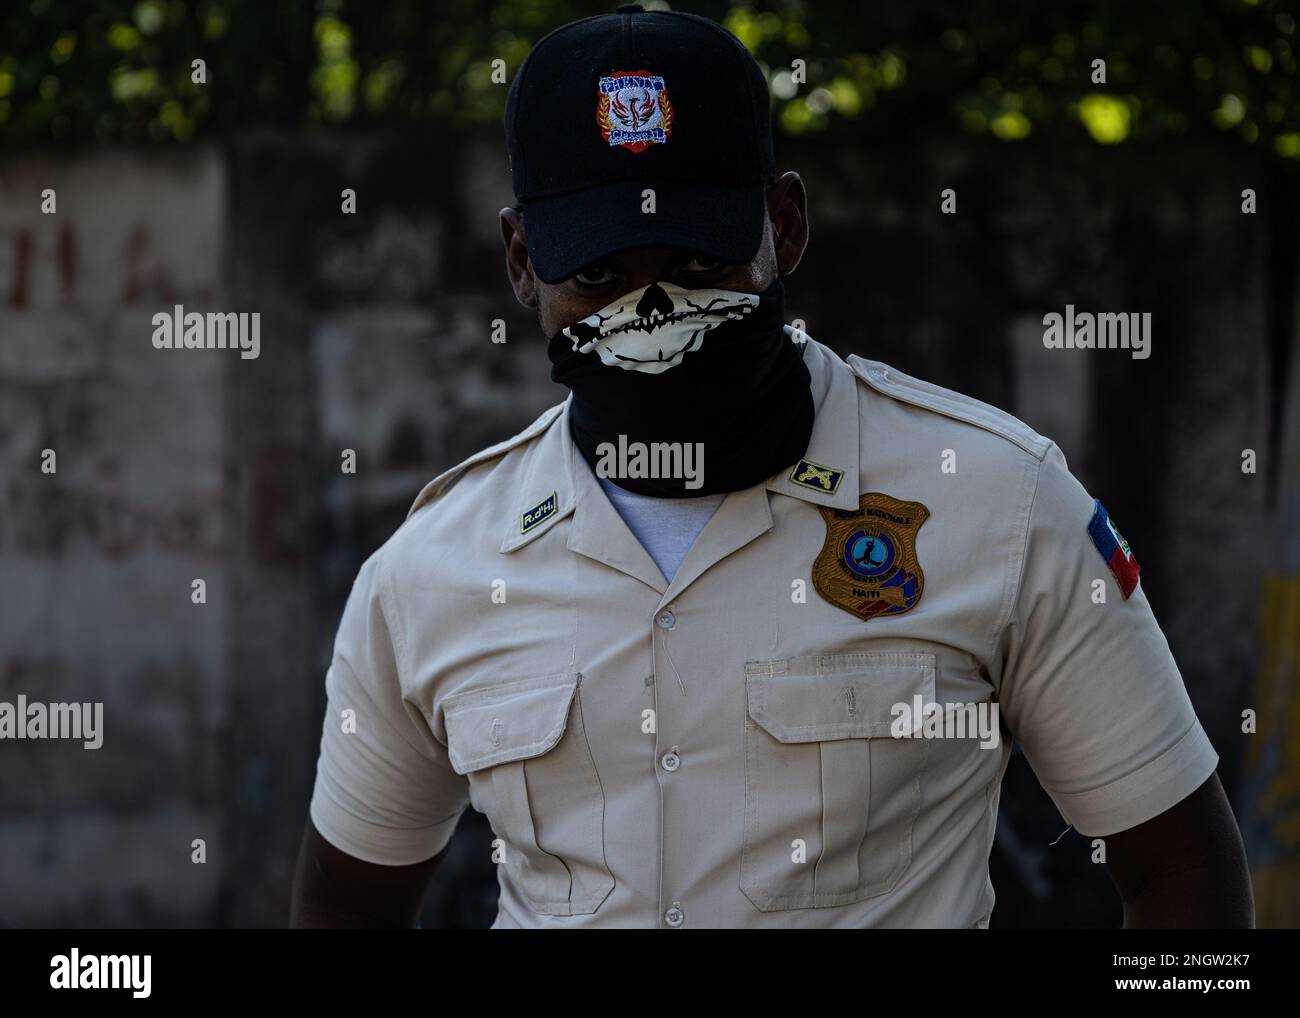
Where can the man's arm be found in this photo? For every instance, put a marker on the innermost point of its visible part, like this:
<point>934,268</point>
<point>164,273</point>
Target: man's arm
<point>386,799</point>
<point>334,890</point>
<point>1184,868</point>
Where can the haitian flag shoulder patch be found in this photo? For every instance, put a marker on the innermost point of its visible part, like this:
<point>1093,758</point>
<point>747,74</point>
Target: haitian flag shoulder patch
<point>1114,549</point>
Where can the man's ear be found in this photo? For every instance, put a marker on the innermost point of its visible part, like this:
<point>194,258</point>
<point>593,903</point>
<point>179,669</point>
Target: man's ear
<point>518,267</point>
<point>787,207</point>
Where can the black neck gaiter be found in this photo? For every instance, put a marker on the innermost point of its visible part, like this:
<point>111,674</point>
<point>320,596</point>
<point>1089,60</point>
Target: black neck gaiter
<point>664,367</point>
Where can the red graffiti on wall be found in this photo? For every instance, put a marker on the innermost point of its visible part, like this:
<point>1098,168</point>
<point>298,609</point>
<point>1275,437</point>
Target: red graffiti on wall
<point>23,262</point>
<point>25,254</point>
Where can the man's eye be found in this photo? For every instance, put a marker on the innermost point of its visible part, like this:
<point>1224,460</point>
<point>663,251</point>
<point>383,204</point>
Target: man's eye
<point>701,264</point>
<point>594,275</point>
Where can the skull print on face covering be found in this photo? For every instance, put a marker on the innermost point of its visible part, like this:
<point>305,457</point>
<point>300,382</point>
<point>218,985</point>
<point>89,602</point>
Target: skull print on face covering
<point>652,329</point>
<point>738,384</point>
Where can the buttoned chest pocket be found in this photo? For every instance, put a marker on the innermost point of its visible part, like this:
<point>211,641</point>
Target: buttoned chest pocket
<point>830,794</point>
<point>523,746</point>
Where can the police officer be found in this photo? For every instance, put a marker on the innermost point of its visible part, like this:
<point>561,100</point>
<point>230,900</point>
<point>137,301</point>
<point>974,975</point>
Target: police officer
<point>740,633</point>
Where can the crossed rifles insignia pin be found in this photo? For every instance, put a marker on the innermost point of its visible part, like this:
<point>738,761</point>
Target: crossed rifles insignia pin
<point>868,565</point>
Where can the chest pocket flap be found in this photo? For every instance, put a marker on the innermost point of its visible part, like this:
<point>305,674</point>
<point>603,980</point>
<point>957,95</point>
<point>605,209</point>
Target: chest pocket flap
<point>821,698</point>
<point>514,721</point>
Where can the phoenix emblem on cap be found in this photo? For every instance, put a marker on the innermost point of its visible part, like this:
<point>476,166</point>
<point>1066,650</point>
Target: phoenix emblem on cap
<point>633,110</point>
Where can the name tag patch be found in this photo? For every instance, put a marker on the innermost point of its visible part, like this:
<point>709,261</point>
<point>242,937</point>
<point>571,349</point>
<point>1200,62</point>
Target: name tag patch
<point>539,513</point>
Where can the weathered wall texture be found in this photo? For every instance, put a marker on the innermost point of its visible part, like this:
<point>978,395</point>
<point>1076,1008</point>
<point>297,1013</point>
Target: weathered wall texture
<point>376,338</point>
<point>96,560</point>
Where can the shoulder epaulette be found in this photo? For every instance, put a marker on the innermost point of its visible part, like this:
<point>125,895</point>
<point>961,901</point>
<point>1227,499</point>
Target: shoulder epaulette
<point>447,478</point>
<point>895,383</point>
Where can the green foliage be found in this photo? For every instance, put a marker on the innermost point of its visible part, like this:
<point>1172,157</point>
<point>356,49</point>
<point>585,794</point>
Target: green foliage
<point>121,71</point>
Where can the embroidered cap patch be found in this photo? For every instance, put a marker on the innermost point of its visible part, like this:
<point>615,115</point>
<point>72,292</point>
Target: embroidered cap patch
<point>1114,549</point>
<point>633,110</point>
<point>868,564</point>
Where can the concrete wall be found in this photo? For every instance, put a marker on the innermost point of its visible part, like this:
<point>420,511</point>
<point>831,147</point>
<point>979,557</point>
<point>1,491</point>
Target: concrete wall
<point>97,559</point>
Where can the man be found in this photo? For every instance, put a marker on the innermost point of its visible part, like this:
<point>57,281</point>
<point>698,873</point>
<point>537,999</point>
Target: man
<point>695,640</point>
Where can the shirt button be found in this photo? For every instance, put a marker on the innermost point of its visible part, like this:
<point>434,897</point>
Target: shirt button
<point>665,619</point>
<point>671,761</point>
<point>674,917</point>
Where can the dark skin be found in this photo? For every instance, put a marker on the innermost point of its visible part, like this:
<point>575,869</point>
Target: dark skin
<point>336,891</point>
<point>1184,868</point>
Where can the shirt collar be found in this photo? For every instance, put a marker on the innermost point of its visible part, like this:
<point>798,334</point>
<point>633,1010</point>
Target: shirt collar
<point>550,485</point>
<point>827,474</point>
<point>544,492</point>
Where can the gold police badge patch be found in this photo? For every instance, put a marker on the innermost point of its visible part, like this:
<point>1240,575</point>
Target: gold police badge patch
<point>868,565</point>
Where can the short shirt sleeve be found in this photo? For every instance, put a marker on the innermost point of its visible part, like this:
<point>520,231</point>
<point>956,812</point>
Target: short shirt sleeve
<point>1090,690</point>
<point>385,791</point>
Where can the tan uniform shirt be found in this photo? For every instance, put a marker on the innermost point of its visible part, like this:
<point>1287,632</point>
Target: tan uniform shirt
<point>721,750</point>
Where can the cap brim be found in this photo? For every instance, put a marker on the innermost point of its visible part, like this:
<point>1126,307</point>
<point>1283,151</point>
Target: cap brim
<point>568,232</point>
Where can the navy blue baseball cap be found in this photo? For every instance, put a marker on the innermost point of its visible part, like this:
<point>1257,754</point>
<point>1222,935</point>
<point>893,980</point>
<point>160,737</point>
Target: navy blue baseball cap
<point>605,107</point>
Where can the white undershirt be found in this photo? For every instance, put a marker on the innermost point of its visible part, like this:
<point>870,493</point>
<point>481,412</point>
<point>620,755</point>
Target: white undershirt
<point>666,527</point>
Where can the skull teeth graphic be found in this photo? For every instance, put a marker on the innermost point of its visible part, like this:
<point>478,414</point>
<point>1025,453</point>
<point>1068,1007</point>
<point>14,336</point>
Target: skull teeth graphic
<point>652,329</point>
